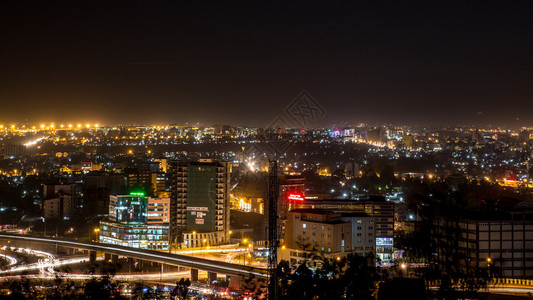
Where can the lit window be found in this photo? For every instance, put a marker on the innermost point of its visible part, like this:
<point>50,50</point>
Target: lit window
<point>304,225</point>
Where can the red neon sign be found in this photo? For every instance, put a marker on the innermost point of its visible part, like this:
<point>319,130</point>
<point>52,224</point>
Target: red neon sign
<point>295,197</point>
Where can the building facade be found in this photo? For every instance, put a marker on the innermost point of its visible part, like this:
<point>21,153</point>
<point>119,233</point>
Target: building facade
<point>137,221</point>
<point>199,205</point>
<point>504,243</point>
<point>315,233</point>
<point>377,207</point>
<point>158,210</point>
<point>143,236</point>
<point>60,206</point>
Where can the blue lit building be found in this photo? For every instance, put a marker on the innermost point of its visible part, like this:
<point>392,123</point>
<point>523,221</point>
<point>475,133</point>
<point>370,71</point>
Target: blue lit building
<point>128,224</point>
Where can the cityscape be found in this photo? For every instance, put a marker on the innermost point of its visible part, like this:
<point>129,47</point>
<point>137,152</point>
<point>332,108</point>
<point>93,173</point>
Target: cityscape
<point>314,150</point>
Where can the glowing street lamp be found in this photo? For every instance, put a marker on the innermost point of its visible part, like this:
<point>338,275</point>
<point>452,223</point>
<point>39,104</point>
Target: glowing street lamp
<point>96,231</point>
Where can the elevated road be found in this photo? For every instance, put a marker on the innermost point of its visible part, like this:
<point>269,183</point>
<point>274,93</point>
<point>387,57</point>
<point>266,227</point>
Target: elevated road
<point>148,255</point>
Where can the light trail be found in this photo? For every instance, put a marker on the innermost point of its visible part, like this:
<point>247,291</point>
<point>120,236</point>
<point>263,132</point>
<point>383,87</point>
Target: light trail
<point>34,142</point>
<point>11,260</point>
<point>203,264</point>
<point>45,264</point>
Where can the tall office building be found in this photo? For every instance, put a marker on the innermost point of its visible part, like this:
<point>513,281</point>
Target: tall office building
<point>199,205</point>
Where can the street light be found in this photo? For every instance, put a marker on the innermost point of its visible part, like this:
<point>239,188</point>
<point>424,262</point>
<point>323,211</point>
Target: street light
<point>96,231</point>
<point>489,263</point>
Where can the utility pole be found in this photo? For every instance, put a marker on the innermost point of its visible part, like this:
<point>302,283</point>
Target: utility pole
<point>273,241</point>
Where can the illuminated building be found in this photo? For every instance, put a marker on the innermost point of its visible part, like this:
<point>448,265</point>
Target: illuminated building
<point>503,241</point>
<point>141,178</point>
<point>158,210</point>
<point>377,207</point>
<point>408,141</point>
<point>291,190</point>
<point>162,164</point>
<point>313,233</point>
<point>145,178</point>
<point>136,221</point>
<point>143,236</point>
<point>289,185</point>
<point>128,209</point>
<point>199,206</point>
<point>363,232</point>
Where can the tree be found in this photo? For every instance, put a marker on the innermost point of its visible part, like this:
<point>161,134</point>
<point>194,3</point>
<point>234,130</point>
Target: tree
<point>352,277</point>
<point>359,276</point>
<point>255,287</point>
<point>182,288</point>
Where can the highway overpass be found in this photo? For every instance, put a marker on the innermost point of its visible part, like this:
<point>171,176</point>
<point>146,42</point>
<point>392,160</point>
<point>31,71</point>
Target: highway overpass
<point>147,255</point>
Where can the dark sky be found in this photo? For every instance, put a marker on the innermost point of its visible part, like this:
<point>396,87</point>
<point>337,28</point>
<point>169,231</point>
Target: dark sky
<point>401,61</point>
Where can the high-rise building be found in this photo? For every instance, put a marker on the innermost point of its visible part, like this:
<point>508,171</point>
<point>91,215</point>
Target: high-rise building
<point>199,205</point>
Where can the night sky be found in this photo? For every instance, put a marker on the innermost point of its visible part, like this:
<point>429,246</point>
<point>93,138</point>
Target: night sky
<point>241,63</point>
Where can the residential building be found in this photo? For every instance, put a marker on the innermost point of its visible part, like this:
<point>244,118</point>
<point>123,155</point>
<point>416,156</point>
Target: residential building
<point>377,207</point>
<point>60,206</point>
<point>313,233</point>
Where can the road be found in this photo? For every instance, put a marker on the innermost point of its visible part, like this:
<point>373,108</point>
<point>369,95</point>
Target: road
<point>148,255</point>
